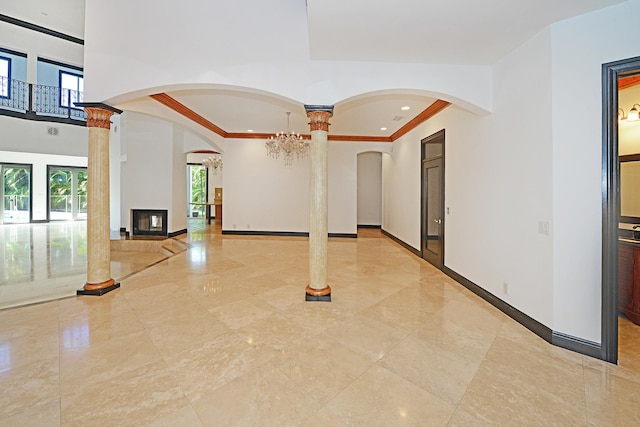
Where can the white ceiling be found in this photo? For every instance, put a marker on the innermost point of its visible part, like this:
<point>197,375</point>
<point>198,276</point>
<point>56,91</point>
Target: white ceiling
<point>64,16</point>
<point>416,31</point>
<point>432,31</point>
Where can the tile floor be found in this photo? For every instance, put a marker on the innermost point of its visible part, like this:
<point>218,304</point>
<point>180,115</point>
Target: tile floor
<point>220,335</point>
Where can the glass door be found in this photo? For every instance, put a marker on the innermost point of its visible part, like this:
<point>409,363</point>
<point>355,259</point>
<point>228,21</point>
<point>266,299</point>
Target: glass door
<point>432,189</point>
<point>197,190</point>
<point>15,192</point>
<point>433,221</point>
<point>67,193</point>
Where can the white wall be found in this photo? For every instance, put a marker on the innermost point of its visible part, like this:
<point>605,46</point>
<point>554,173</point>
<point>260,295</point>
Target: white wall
<point>580,47</point>
<point>536,158</point>
<point>178,178</point>
<point>369,186</point>
<point>248,61</point>
<point>262,194</point>
<point>36,44</point>
<point>153,169</point>
<point>32,137</point>
<point>498,184</point>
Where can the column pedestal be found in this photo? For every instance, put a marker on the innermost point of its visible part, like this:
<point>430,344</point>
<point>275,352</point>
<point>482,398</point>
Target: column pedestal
<point>318,289</point>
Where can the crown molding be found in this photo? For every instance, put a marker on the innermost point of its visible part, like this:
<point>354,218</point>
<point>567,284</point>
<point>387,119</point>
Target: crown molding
<point>185,111</point>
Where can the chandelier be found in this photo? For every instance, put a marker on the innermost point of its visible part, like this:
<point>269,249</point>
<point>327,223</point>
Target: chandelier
<point>214,162</point>
<point>289,144</point>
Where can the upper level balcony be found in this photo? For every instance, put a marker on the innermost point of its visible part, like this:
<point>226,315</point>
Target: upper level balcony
<point>40,102</point>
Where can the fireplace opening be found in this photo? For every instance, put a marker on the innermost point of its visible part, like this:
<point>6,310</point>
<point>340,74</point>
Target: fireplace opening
<point>149,222</point>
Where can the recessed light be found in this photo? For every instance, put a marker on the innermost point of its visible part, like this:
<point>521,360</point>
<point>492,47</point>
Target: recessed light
<point>250,130</point>
<point>405,108</point>
<point>383,128</point>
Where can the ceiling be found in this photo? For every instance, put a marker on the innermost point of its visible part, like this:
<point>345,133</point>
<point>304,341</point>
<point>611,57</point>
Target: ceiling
<point>468,32</point>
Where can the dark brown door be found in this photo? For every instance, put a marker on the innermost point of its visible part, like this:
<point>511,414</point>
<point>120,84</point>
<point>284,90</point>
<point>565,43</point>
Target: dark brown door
<point>432,228</point>
<point>433,199</point>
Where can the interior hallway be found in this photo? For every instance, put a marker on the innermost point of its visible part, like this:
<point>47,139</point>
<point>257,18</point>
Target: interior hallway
<point>220,334</point>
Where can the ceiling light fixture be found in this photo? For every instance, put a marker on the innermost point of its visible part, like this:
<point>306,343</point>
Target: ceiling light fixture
<point>213,162</point>
<point>633,116</point>
<point>289,144</point>
<point>383,128</point>
<point>405,108</point>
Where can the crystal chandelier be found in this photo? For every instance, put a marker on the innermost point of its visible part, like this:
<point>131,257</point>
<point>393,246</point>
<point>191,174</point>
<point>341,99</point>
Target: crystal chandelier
<point>214,162</point>
<point>289,144</point>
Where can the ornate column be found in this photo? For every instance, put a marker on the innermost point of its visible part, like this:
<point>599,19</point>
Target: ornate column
<point>99,279</point>
<point>318,289</point>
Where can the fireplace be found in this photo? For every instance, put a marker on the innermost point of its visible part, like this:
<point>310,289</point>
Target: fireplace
<point>149,222</point>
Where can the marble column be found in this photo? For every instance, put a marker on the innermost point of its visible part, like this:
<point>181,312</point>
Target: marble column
<point>99,279</point>
<point>318,288</point>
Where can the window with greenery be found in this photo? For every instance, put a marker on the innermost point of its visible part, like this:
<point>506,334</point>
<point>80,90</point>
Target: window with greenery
<point>5,76</point>
<point>15,192</point>
<point>67,193</point>
<point>71,88</point>
<point>197,190</point>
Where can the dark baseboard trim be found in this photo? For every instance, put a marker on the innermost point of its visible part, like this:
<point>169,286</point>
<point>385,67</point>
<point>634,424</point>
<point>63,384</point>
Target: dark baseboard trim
<point>344,235</point>
<point>266,233</point>
<point>369,226</point>
<point>284,233</point>
<point>558,339</point>
<point>408,247</point>
<point>177,233</point>
<point>533,325</point>
<point>578,345</point>
<point>39,221</point>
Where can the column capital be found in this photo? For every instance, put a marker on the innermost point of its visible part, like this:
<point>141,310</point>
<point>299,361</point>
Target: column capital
<point>98,118</point>
<point>98,114</point>
<point>319,115</point>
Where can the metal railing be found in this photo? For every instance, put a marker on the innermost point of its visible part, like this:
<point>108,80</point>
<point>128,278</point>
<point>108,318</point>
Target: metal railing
<point>43,100</point>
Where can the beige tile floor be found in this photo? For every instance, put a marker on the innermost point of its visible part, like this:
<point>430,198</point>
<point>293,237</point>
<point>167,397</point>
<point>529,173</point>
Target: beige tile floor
<point>220,335</point>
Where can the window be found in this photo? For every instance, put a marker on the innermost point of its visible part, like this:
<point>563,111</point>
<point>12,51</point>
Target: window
<point>71,88</point>
<point>5,76</point>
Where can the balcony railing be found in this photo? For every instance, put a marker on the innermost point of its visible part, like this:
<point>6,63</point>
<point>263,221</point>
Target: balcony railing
<point>39,102</point>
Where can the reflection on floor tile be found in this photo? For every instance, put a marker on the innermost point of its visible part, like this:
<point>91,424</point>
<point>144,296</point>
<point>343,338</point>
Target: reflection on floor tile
<point>213,330</point>
<point>42,262</point>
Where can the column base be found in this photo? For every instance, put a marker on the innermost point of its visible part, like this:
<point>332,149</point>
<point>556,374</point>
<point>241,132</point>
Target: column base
<point>318,294</point>
<point>98,289</point>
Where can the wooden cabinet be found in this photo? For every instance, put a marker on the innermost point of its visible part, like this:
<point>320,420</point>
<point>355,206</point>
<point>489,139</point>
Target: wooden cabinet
<point>629,280</point>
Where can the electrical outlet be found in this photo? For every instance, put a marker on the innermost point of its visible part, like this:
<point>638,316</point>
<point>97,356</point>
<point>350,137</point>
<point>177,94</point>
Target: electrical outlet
<point>543,227</point>
<point>505,288</point>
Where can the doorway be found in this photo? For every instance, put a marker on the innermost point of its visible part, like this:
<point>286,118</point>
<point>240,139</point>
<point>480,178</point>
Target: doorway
<point>611,72</point>
<point>67,193</point>
<point>432,191</point>
<point>15,193</point>
<point>197,191</point>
